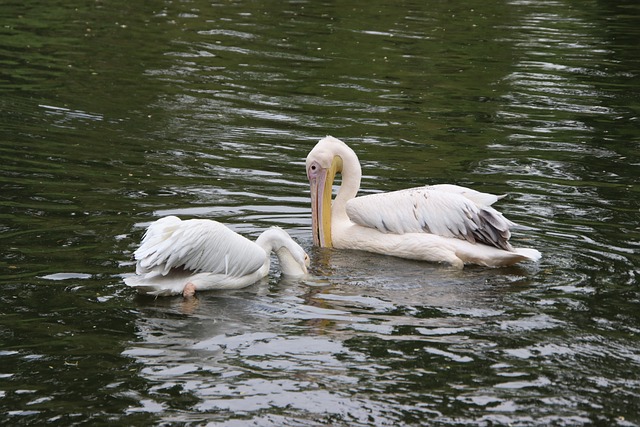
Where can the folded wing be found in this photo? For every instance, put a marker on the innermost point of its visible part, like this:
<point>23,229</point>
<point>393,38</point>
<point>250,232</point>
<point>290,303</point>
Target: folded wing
<point>196,245</point>
<point>445,210</point>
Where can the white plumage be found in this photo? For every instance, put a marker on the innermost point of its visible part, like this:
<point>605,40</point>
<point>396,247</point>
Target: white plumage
<point>444,210</point>
<point>205,254</point>
<point>445,223</point>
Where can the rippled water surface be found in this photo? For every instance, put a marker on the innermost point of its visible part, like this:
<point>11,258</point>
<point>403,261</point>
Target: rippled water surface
<point>113,114</point>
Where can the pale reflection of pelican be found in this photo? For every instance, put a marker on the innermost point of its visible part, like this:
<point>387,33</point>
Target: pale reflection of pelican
<point>181,257</point>
<point>442,223</point>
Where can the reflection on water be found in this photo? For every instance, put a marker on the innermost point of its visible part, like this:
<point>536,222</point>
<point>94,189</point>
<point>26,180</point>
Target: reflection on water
<point>333,342</point>
<point>360,343</point>
<point>114,114</point>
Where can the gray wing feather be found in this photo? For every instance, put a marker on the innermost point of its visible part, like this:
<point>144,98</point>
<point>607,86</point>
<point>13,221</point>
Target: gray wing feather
<point>448,211</point>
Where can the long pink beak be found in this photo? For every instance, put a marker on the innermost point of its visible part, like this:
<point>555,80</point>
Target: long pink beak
<point>320,206</point>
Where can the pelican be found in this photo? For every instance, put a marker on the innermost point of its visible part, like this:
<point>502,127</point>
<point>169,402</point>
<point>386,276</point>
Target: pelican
<point>439,223</point>
<point>182,257</point>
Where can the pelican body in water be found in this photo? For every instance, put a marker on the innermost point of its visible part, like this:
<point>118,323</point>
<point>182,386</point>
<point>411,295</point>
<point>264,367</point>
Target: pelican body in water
<point>182,257</point>
<point>439,223</point>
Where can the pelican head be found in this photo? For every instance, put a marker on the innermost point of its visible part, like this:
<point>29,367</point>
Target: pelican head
<point>329,157</point>
<point>294,261</point>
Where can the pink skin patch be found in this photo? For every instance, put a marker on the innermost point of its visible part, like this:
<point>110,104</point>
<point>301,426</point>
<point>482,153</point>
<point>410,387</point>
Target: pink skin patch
<point>189,290</point>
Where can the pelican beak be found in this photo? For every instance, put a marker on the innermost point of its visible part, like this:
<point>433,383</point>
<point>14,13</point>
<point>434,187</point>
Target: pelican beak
<point>321,181</point>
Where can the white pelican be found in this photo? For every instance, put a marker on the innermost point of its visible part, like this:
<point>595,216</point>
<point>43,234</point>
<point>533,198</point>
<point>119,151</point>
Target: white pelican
<point>181,257</point>
<point>440,223</point>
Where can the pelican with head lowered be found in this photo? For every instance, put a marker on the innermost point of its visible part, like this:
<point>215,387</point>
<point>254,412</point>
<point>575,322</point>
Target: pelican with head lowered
<point>182,257</point>
<point>440,223</point>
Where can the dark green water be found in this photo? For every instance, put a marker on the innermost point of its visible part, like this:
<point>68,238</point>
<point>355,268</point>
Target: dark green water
<point>113,114</point>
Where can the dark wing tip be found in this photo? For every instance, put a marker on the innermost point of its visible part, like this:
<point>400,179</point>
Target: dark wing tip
<point>493,229</point>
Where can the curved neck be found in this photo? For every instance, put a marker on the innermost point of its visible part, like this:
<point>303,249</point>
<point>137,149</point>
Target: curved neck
<point>276,240</point>
<point>270,241</point>
<point>351,173</point>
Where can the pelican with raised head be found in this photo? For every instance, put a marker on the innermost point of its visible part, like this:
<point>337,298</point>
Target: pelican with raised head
<point>439,223</point>
<point>182,257</point>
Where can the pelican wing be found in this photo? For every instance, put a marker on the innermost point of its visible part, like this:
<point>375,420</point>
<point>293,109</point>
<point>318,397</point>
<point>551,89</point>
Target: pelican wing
<point>477,197</point>
<point>197,245</point>
<point>445,210</point>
